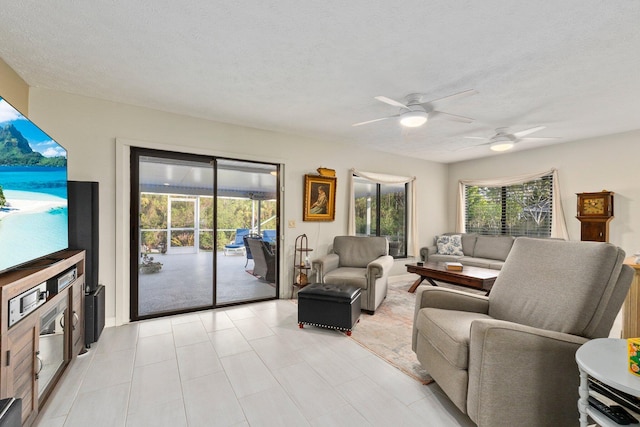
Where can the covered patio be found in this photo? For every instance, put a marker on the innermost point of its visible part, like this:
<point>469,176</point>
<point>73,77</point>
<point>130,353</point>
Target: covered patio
<point>185,282</point>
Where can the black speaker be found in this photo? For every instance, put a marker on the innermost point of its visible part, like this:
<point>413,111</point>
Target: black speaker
<point>93,315</point>
<point>83,227</point>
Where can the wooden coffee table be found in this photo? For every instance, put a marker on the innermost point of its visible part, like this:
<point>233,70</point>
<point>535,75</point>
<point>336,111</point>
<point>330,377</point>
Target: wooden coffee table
<point>473,277</point>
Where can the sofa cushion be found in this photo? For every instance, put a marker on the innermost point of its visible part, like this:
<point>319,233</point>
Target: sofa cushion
<point>493,247</point>
<point>496,265</point>
<point>449,245</point>
<point>477,262</point>
<point>468,243</point>
<point>448,332</point>
<point>445,258</point>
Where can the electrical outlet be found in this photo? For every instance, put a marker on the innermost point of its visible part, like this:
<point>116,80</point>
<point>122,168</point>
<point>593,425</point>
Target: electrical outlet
<point>292,223</point>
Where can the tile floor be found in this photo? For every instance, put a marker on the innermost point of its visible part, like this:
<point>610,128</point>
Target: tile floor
<point>240,366</point>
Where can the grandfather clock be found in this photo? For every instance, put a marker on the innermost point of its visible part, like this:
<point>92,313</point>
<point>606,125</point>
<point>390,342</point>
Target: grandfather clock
<point>595,211</point>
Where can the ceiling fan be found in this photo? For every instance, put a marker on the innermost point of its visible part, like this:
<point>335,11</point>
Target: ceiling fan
<point>503,140</point>
<point>415,113</point>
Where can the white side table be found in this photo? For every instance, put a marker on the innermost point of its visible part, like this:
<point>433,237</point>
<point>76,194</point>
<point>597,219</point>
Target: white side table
<point>604,359</point>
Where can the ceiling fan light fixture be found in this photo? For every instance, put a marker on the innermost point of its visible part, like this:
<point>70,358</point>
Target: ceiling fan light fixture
<point>413,119</point>
<point>501,145</point>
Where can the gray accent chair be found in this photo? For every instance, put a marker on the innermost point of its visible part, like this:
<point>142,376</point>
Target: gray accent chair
<point>508,359</point>
<point>359,261</point>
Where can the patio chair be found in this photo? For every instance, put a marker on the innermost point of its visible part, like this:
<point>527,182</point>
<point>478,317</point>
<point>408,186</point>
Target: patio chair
<point>238,244</point>
<point>247,248</point>
<point>263,259</point>
<point>269,236</point>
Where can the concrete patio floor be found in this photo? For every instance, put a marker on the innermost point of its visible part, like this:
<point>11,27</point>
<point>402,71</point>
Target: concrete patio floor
<point>186,282</point>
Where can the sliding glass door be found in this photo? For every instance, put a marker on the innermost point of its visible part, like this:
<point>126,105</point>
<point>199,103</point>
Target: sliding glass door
<point>171,271</point>
<point>246,204</point>
<point>187,252</point>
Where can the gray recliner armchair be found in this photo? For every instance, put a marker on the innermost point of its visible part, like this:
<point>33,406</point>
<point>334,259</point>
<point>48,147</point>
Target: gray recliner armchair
<point>509,358</point>
<point>359,261</point>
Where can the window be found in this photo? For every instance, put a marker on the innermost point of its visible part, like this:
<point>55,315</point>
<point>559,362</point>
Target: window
<point>523,209</point>
<point>381,210</point>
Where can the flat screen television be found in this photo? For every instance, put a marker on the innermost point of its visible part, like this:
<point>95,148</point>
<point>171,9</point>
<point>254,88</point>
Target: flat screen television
<point>33,191</point>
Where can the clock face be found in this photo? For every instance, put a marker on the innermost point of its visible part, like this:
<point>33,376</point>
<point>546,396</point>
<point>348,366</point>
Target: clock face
<point>593,206</point>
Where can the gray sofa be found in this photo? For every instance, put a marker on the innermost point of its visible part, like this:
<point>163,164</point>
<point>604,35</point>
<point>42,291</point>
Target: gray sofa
<point>359,261</point>
<point>478,251</point>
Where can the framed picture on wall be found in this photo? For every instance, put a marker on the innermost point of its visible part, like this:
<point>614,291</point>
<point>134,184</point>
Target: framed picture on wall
<point>319,198</point>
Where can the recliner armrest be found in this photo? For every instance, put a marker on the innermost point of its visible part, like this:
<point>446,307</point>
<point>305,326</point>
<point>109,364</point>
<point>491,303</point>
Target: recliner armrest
<point>324,265</point>
<point>380,267</point>
<point>487,329</point>
<point>513,363</point>
<point>450,299</point>
<point>447,299</point>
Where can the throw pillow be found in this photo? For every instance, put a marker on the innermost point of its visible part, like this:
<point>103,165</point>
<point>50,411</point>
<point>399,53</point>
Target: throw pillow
<point>449,245</point>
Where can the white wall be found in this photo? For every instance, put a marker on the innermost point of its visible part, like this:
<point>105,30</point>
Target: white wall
<point>605,163</point>
<point>14,89</point>
<point>88,129</point>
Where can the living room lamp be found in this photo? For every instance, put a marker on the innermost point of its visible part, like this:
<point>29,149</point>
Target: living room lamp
<point>501,143</point>
<point>413,119</point>
<point>501,146</point>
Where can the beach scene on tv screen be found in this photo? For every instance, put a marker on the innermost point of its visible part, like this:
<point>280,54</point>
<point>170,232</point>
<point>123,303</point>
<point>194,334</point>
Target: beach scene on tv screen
<point>33,190</point>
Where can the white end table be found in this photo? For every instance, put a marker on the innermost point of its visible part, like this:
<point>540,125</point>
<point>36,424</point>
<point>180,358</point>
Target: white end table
<point>604,359</point>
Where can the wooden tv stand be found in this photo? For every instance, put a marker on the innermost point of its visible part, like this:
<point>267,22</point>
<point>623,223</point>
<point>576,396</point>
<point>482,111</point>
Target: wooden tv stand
<point>22,364</point>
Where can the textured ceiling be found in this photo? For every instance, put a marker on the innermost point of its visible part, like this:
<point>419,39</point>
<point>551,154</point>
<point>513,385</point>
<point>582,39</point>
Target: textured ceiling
<point>313,69</point>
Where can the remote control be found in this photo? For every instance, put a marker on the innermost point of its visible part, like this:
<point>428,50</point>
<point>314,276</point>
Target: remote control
<point>613,414</point>
<point>623,412</point>
<point>606,392</point>
<point>632,399</point>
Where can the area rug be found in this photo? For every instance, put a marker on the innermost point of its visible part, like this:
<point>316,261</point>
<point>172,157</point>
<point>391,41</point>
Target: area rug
<point>388,332</point>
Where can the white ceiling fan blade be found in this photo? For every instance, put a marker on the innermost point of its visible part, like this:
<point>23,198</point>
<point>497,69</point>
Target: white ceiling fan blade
<point>542,138</point>
<point>391,102</point>
<point>455,96</point>
<point>373,121</point>
<point>452,117</point>
<point>527,131</point>
<point>475,137</point>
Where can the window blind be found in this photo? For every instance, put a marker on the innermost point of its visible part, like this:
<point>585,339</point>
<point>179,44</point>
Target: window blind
<point>523,209</point>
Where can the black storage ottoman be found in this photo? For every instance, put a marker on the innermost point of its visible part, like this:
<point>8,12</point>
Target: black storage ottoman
<point>329,306</point>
